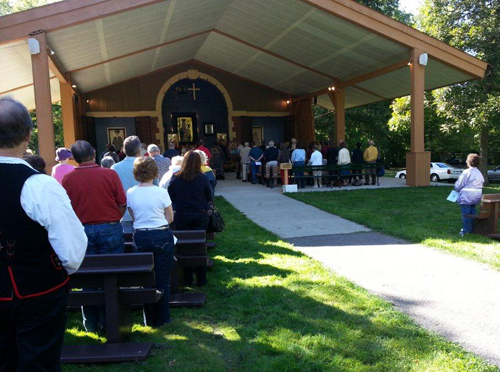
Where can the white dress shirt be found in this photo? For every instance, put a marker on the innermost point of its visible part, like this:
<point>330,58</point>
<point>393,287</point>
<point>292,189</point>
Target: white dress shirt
<point>344,157</point>
<point>316,158</point>
<point>45,201</point>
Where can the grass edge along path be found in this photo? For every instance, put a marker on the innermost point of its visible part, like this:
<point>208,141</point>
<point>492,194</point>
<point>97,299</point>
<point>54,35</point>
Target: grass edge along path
<point>419,215</point>
<point>272,308</point>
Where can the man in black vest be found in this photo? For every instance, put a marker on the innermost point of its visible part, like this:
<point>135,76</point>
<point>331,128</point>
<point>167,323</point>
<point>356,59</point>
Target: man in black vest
<point>41,243</point>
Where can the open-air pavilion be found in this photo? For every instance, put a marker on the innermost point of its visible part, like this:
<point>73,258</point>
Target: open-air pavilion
<point>245,69</point>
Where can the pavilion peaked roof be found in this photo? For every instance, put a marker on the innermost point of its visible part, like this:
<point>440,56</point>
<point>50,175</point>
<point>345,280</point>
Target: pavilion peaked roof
<point>300,47</point>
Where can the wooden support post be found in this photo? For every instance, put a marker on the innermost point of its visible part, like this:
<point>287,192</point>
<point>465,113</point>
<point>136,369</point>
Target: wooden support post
<point>337,97</point>
<point>417,161</point>
<point>68,114</point>
<point>43,101</point>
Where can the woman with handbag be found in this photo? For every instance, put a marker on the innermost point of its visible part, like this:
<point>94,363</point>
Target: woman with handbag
<point>151,210</point>
<point>191,196</point>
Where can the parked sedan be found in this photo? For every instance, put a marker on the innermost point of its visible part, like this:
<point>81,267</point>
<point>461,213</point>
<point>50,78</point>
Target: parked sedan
<point>439,172</point>
<point>494,175</point>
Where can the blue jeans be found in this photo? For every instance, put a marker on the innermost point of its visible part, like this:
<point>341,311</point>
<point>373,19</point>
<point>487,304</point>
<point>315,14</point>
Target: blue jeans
<point>467,222</point>
<point>301,182</point>
<point>105,238</point>
<point>161,243</point>
<point>253,170</point>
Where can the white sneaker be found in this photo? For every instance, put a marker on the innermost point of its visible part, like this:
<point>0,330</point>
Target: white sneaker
<point>315,187</point>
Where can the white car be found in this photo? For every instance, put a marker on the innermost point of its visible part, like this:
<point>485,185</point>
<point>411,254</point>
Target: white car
<point>438,172</point>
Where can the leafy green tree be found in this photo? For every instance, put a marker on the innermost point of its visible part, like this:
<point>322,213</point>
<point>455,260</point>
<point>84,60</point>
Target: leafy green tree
<point>9,6</point>
<point>58,128</point>
<point>473,26</point>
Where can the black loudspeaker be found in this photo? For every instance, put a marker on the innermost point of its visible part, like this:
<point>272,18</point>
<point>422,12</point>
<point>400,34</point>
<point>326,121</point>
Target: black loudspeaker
<point>315,100</point>
<point>75,97</point>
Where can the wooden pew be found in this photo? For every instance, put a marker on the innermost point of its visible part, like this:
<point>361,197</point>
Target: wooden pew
<point>486,221</point>
<point>118,276</point>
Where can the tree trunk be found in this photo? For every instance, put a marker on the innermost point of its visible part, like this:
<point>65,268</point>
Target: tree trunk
<point>483,167</point>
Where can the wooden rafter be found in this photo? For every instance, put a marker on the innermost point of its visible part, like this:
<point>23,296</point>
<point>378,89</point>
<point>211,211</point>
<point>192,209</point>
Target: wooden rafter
<point>373,74</point>
<point>142,50</point>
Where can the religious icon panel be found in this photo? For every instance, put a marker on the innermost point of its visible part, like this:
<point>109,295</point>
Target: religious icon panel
<point>116,136</point>
<point>187,129</point>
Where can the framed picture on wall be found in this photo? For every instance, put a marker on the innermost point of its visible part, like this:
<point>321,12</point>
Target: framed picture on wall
<point>209,129</point>
<point>174,138</point>
<point>257,135</point>
<point>116,136</point>
<point>186,127</point>
<point>222,137</point>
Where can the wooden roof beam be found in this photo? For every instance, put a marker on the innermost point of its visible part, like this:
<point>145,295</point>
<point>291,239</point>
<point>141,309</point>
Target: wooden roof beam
<point>390,29</point>
<point>63,14</point>
<point>142,51</point>
<point>333,78</point>
<point>373,74</point>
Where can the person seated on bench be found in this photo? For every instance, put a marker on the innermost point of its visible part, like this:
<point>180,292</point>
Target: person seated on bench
<point>207,170</point>
<point>191,195</point>
<point>299,160</point>
<point>470,189</point>
<point>151,210</point>
<point>316,159</point>
<point>174,168</point>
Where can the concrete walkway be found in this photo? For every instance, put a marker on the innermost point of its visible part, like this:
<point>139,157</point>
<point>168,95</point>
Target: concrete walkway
<point>451,296</point>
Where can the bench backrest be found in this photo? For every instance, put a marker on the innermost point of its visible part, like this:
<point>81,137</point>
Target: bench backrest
<point>191,242</point>
<point>131,269</point>
<point>492,197</point>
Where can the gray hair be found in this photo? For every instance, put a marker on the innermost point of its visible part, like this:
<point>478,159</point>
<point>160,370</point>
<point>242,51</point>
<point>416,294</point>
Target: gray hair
<point>371,143</point>
<point>107,162</point>
<point>247,144</point>
<point>82,151</point>
<point>15,123</point>
<point>153,148</point>
<point>271,143</point>
<point>177,160</point>
<point>132,146</point>
<point>203,156</point>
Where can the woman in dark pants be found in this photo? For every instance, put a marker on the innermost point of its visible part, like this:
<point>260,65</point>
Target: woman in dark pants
<point>191,195</point>
<point>151,211</point>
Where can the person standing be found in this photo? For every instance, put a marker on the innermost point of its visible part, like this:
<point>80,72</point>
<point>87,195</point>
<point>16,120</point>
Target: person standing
<point>171,152</point>
<point>124,169</point>
<point>370,156</point>
<point>299,160</point>
<point>331,159</point>
<point>271,157</point>
<point>201,147</point>
<point>470,189</point>
<point>344,159</point>
<point>99,201</point>
<point>245,161</point>
<point>41,243</point>
<point>152,213</point>
<point>63,168</point>
<point>358,161</point>
<point>238,150</point>
<point>316,159</point>
<point>191,195</point>
<point>283,158</point>
<point>112,152</point>
<point>162,162</point>
<point>256,154</point>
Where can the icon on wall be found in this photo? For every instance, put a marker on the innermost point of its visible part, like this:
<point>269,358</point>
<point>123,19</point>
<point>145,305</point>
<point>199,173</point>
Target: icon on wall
<point>209,129</point>
<point>116,136</point>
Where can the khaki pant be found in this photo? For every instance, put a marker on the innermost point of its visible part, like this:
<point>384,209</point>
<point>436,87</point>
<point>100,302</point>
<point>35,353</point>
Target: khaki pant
<point>270,166</point>
<point>244,171</point>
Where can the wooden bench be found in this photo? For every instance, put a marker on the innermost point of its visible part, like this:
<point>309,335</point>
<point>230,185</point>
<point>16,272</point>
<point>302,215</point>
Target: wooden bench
<point>190,250</point>
<point>486,221</point>
<point>121,278</point>
<point>333,172</point>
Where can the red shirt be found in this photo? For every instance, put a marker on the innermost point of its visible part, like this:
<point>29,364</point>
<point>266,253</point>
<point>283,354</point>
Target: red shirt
<point>95,193</point>
<point>205,150</point>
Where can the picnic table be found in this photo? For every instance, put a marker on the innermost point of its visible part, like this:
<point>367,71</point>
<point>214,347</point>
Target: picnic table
<point>486,221</point>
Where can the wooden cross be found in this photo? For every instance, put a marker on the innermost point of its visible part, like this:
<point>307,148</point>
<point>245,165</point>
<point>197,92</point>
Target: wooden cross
<point>194,89</point>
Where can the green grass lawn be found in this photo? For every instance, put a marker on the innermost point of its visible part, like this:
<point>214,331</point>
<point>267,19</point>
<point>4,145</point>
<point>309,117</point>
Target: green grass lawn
<point>271,308</point>
<point>420,215</point>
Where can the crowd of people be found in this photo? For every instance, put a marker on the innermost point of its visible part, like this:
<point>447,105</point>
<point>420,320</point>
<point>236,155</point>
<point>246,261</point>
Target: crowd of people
<point>51,222</point>
<point>271,155</point>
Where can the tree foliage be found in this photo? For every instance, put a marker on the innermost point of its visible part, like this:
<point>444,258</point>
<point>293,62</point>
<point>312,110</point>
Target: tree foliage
<point>11,6</point>
<point>473,26</point>
<point>58,128</point>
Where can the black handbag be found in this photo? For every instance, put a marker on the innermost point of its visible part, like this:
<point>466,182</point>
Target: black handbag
<point>215,221</point>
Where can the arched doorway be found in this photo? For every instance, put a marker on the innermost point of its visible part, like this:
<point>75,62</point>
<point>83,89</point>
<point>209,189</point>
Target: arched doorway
<point>194,109</point>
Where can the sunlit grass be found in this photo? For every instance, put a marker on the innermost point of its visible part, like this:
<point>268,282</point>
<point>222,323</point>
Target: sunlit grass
<point>270,308</point>
<point>420,215</point>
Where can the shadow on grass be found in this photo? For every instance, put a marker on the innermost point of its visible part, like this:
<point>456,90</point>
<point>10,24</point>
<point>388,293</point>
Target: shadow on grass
<point>270,308</point>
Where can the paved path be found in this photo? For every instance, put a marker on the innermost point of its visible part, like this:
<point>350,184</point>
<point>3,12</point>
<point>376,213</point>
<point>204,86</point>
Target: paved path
<point>451,296</point>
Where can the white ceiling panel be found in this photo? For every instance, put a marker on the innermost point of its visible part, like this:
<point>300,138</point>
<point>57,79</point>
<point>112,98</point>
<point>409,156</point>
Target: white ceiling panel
<point>27,95</point>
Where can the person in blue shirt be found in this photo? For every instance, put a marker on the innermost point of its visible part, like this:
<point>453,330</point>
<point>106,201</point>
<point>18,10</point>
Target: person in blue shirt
<point>256,155</point>
<point>299,160</point>
<point>171,152</point>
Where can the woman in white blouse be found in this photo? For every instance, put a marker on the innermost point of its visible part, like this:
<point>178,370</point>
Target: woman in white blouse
<point>344,159</point>
<point>151,210</point>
